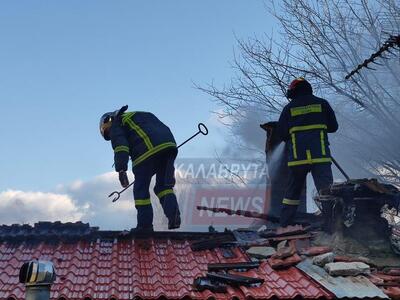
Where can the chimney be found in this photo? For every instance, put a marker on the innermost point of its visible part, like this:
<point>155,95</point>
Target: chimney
<point>38,276</point>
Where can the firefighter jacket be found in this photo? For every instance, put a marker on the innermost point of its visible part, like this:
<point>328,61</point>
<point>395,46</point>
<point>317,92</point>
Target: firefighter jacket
<point>303,125</point>
<point>138,135</point>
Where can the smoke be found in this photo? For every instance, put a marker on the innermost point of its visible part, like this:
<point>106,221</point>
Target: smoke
<point>247,138</point>
<point>367,105</point>
<point>276,157</point>
<point>366,146</point>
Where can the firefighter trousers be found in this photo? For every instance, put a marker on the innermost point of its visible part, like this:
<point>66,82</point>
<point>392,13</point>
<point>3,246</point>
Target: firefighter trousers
<point>322,175</point>
<point>161,165</point>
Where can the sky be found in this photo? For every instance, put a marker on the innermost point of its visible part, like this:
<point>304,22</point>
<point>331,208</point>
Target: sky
<point>64,63</point>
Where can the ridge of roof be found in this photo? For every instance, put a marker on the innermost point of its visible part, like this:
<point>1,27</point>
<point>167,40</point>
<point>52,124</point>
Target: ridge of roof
<point>75,231</point>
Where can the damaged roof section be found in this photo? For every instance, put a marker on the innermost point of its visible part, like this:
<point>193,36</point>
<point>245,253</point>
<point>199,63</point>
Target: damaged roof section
<point>164,266</point>
<point>335,260</point>
<point>243,264</point>
<point>358,287</point>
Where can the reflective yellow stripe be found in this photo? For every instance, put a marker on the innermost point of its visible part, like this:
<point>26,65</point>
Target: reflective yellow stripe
<point>290,202</point>
<point>308,153</point>
<point>153,151</point>
<point>127,119</point>
<point>141,133</point>
<point>307,127</point>
<point>164,193</point>
<point>142,202</point>
<point>321,160</point>
<point>294,146</point>
<point>127,116</point>
<point>322,134</point>
<point>121,149</point>
<point>308,162</point>
<point>303,110</point>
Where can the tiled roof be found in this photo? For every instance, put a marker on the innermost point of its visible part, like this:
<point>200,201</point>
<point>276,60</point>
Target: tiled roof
<point>47,231</point>
<point>163,266</point>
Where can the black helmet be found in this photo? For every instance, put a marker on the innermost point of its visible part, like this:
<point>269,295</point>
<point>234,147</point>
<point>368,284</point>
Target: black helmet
<point>298,87</point>
<point>105,124</point>
<point>107,119</point>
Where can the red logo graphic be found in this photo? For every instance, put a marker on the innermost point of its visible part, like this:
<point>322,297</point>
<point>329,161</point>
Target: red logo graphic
<point>248,199</point>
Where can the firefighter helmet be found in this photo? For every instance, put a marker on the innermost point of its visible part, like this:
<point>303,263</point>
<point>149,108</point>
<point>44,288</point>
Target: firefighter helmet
<point>297,87</point>
<point>105,124</point>
<point>107,119</point>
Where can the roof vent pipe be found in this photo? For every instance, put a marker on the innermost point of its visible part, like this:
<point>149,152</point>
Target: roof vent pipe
<point>38,276</point>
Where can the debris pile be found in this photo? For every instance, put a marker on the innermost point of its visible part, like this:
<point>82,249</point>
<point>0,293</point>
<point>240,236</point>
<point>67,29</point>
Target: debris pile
<point>292,247</point>
<point>218,277</point>
<point>355,205</point>
<point>357,200</point>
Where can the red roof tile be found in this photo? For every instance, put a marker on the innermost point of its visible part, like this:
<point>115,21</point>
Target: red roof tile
<point>125,268</point>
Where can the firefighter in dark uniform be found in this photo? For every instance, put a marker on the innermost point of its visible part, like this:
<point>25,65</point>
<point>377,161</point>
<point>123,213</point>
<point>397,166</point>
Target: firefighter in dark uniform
<point>304,125</point>
<point>152,148</point>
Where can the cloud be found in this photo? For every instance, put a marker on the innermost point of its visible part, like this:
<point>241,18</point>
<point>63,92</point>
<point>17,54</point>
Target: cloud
<point>30,207</point>
<point>81,200</point>
<point>88,201</point>
<point>101,211</point>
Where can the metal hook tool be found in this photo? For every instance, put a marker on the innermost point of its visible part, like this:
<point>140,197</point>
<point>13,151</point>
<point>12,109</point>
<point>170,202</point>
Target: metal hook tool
<point>202,128</point>
<point>340,169</point>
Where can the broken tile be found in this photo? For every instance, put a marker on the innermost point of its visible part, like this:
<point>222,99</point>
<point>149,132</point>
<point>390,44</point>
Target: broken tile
<point>353,287</point>
<point>284,252</point>
<point>323,259</point>
<point>393,271</point>
<point>290,230</point>
<point>281,244</point>
<point>312,251</point>
<point>277,263</point>
<point>375,280</point>
<point>262,228</point>
<point>392,292</point>
<point>342,258</point>
<point>234,279</point>
<point>347,269</point>
<point>387,277</point>
<point>300,244</point>
<point>239,266</point>
<point>203,283</point>
<point>291,237</point>
<point>261,252</point>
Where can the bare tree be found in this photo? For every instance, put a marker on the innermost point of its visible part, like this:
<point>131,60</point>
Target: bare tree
<point>323,40</point>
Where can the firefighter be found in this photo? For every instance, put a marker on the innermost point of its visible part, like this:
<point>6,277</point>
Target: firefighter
<point>152,148</point>
<point>304,124</point>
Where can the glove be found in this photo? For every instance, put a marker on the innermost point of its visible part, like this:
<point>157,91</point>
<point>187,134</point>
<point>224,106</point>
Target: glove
<point>123,179</point>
